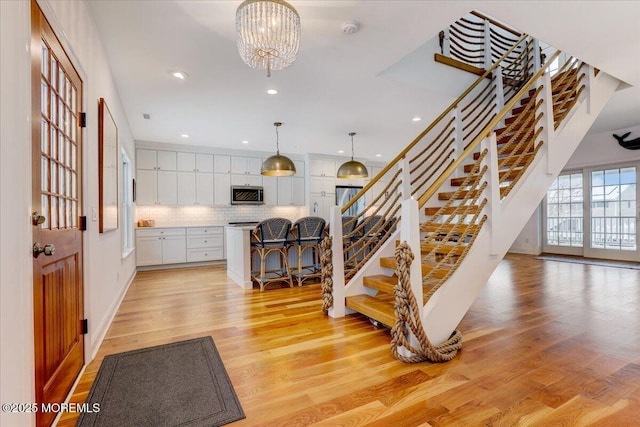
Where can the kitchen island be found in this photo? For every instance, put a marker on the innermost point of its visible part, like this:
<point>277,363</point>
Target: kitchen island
<point>238,239</point>
<point>239,262</point>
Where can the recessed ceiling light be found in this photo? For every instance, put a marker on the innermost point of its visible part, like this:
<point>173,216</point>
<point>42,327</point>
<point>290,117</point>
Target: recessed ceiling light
<point>340,151</point>
<point>416,119</point>
<point>378,155</point>
<point>272,91</point>
<point>179,75</point>
<point>184,135</point>
<point>245,142</point>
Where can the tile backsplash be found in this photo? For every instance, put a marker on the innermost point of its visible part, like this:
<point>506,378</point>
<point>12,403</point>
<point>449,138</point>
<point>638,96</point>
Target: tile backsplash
<point>208,215</point>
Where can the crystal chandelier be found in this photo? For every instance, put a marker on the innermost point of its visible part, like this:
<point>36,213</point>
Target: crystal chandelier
<point>268,34</point>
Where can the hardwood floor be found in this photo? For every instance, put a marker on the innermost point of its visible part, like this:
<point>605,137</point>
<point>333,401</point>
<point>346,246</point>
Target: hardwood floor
<point>546,343</point>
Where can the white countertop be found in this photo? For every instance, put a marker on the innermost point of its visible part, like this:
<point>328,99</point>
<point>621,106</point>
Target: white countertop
<point>208,224</point>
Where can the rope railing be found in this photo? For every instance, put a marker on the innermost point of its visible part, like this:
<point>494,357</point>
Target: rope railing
<point>478,40</point>
<point>427,157</point>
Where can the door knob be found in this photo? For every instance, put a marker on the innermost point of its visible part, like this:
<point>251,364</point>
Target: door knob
<point>37,219</point>
<point>48,250</point>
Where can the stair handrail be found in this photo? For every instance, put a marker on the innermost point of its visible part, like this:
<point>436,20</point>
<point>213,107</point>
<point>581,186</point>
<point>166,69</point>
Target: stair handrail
<point>433,124</point>
<point>435,186</point>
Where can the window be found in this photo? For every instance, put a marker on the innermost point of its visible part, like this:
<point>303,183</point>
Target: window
<point>564,211</point>
<point>613,215</point>
<point>127,206</point>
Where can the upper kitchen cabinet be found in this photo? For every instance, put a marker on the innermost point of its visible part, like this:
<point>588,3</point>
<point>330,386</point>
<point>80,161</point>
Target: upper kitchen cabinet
<point>246,165</point>
<point>192,162</point>
<point>156,160</point>
<point>222,163</point>
<point>156,187</point>
<point>322,167</point>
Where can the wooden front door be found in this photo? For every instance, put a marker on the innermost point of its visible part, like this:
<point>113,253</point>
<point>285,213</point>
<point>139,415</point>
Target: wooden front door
<point>57,205</point>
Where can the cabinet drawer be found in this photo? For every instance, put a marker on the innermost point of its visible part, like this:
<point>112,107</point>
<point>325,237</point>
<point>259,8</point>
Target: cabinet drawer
<point>211,254</point>
<point>204,241</point>
<point>159,232</point>
<point>193,231</point>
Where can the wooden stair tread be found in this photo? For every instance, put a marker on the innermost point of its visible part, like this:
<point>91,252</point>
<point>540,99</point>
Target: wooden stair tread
<point>447,195</point>
<point>381,282</point>
<point>443,247</point>
<point>427,267</point>
<point>372,307</point>
<point>449,228</point>
<point>505,161</point>
<point>457,182</point>
<point>470,210</point>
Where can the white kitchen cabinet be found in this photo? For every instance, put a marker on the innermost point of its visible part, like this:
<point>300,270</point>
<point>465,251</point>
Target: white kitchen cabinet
<point>322,167</point>
<point>320,205</point>
<point>291,191</point>
<point>146,159</point>
<point>204,189</point>
<point>146,187</point>
<point>204,163</point>
<point>271,185</point>
<point>251,180</point>
<point>195,189</point>
<point>205,244</point>
<point>167,190</point>
<point>156,159</point>
<point>186,162</point>
<point>160,246</point>
<point>222,189</point>
<point>156,187</point>
<point>245,165</point>
<point>221,163</point>
<point>186,188</point>
<point>322,185</point>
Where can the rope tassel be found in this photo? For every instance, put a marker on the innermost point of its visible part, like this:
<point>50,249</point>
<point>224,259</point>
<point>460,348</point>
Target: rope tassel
<point>408,318</point>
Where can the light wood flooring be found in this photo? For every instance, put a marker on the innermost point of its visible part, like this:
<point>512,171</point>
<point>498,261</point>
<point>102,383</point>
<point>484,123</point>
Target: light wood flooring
<point>546,343</point>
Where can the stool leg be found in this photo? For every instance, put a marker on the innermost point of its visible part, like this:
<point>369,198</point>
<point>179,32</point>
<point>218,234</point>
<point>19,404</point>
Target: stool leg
<point>285,256</point>
<point>263,261</point>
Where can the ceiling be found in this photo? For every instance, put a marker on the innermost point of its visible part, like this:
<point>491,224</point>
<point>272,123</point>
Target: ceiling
<point>339,83</point>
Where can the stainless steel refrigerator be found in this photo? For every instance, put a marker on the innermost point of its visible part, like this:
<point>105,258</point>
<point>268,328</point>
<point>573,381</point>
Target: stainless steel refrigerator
<point>344,193</point>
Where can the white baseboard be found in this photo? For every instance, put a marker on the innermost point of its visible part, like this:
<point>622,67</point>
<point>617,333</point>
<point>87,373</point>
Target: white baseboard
<point>101,330</point>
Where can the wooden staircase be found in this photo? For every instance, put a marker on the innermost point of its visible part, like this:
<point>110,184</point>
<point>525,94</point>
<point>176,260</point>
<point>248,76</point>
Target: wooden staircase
<point>443,240</point>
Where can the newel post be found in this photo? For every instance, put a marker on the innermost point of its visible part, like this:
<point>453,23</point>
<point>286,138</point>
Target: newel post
<point>497,72</point>
<point>493,207</point>
<point>337,259</point>
<point>548,123</point>
<point>410,233</point>
<point>488,62</point>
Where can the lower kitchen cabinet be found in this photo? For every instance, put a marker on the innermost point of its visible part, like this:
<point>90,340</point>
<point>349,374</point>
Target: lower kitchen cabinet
<point>160,246</point>
<point>205,244</point>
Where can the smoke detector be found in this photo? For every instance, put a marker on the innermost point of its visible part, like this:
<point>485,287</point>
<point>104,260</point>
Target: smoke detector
<point>350,27</point>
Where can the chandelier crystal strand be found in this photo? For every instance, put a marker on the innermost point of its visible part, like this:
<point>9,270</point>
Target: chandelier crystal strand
<point>268,34</point>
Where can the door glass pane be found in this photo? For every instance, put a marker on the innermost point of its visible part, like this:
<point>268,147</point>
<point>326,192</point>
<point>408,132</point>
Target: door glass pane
<point>613,209</point>
<point>44,137</point>
<point>45,210</point>
<point>565,211</point>
<point>45,61</point>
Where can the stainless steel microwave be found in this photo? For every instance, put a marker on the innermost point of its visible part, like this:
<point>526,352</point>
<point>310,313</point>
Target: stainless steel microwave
<point>246,195</point>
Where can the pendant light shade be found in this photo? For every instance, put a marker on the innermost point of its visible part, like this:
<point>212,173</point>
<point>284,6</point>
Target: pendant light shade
<point>278,165</point>
<point>352,168</point>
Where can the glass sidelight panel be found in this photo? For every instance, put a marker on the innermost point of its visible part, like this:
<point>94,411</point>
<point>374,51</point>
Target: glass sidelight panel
<point>564,211</point>
<point>613,209</point>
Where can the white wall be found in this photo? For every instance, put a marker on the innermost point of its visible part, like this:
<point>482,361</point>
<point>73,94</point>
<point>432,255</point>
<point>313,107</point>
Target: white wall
<point>594,150</point>
<point>16,307</point>
<point>106,274</point>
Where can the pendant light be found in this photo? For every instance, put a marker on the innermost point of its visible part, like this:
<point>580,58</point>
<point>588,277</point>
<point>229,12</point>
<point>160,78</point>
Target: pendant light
<point>352,168</point>
<point>268,34</point>
<point>278,165</point>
